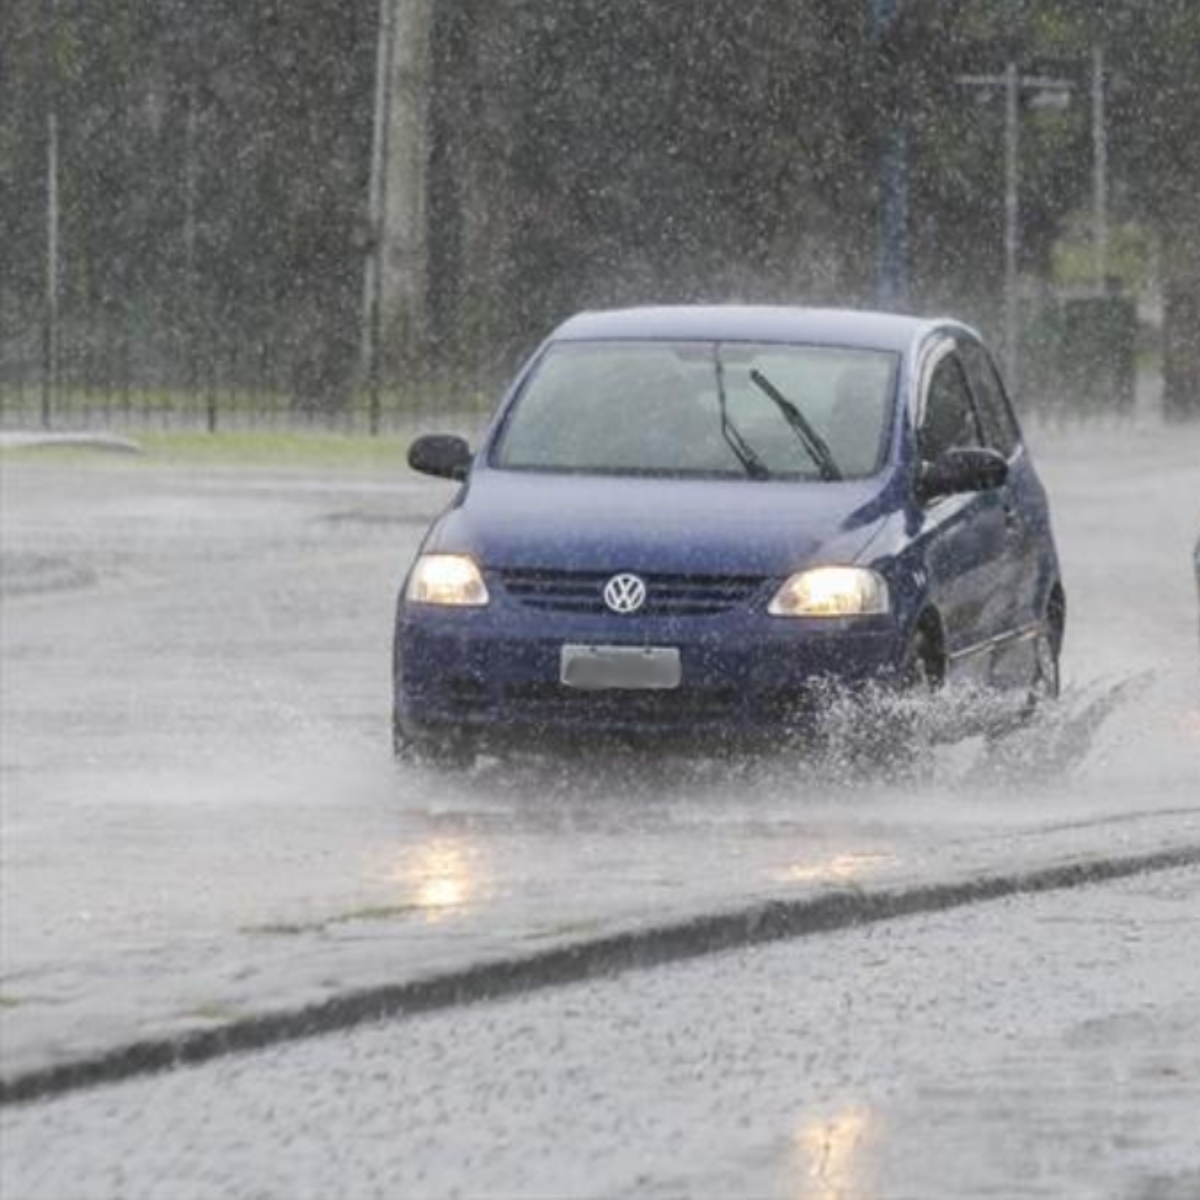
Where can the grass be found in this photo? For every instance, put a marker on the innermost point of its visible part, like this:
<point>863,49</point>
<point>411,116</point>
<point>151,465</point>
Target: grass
<point>252,428</point>
<point>251,448</point>
<point>282,448</point>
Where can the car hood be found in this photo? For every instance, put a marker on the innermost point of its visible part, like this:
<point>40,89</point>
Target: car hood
<point>510,519</point>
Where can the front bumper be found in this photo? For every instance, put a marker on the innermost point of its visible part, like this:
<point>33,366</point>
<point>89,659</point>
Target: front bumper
<point>495,671</point>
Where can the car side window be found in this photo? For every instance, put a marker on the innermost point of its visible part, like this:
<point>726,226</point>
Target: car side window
<point>995,413</point>
<point>948,420</point>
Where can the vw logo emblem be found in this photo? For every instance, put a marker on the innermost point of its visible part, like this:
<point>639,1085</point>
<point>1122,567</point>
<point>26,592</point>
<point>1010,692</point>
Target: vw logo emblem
<point>625,593</point>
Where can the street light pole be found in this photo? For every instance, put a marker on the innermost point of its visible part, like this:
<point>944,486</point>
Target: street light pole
<point>377,206</point>
<point>51,316</point>
<point>50,334</point>
<point>1012,219</point>
<point>892,255</point>
<point>1100,166</point>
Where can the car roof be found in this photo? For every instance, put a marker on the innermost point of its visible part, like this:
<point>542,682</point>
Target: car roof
<point>753,323</point>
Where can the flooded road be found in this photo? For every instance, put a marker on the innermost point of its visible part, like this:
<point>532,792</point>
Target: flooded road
<point>201,819</point>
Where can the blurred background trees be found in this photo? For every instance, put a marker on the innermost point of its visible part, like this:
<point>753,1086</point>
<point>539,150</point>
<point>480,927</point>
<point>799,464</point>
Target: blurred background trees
<point>212,174</point>
<point>214,162</point>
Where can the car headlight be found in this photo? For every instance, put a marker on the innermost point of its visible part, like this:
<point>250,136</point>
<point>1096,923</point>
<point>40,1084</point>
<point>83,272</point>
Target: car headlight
<point>449,579</point>
<point>831,592</point>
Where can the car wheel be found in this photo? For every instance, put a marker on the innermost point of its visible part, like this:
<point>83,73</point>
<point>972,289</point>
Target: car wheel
<point>1047,680</point>
<point>1046,684</point>
<point>446,751</point>
<point>920,674</point>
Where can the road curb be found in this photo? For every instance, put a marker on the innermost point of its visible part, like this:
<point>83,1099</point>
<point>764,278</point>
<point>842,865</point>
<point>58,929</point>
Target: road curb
<point>23,440</point>
<point>637,949</point>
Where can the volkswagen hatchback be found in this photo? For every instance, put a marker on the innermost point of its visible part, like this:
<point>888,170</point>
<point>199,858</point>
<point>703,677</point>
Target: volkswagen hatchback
<point>689,522</point>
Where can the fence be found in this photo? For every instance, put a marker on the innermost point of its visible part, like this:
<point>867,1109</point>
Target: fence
<point>114,371</point>
<point>121,370</point>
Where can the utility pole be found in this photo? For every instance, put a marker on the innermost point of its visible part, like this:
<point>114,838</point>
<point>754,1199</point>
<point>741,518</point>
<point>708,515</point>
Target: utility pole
<point>50,331</point>
<point>396,281</point>
<point>189,195</point>
<point>372,322</point>
<point>1100,167</point>
<point>892,253</point>
<point>1012,219</point>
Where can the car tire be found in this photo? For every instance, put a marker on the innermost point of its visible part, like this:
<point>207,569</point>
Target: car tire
<point>1046,684</point>
<point>920,674</point>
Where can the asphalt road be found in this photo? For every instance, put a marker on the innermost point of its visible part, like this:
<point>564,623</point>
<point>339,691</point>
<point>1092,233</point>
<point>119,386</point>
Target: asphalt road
<point>1036,1047</point>
<point>201,822</point>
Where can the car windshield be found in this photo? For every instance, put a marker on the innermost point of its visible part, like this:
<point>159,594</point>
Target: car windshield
<point>701,409</point>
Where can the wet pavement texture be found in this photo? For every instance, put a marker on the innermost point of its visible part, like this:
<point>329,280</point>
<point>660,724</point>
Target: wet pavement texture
<point>1042,1046</point>
<point>201,819</point>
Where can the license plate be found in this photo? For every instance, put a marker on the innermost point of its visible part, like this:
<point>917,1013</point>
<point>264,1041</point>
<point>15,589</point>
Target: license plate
<point>596,668</point>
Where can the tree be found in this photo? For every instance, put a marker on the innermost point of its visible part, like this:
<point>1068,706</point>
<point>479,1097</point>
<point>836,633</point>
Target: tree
<point>213,173</point>
<point>654,151</point>
<point>1154,49</point>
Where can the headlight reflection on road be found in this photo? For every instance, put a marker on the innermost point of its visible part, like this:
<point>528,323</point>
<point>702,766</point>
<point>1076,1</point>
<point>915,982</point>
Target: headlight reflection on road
<point>1191,722</point>
<point>842,868</point>
<point>439,876</point>
<point>829,1155</point>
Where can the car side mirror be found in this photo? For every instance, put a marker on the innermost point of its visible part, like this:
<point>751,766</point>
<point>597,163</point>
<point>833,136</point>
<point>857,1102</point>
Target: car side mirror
<point>442,454</point>
<point>958,471</point>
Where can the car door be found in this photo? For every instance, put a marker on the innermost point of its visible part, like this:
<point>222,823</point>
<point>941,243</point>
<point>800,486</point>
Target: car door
<point>1018,617</point>
<point>966,549</point>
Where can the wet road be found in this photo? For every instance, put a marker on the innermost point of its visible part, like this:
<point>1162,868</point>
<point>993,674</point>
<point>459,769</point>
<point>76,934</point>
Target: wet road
<point>201,821</point>
<point>1035,1047</point>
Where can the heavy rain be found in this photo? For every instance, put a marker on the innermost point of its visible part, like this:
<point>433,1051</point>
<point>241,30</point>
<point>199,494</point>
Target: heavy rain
<point>250,252</point>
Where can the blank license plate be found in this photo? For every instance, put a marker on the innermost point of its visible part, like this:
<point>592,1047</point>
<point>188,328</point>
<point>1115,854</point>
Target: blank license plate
<point>595,668</point>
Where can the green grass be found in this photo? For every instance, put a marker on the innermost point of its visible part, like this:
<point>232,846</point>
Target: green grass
<point>262,449</point>
<point>252,428</point>
<point>280,448</point>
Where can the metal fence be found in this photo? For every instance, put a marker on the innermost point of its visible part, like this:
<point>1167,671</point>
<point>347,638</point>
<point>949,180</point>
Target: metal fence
<point>114,372</point>
<point>121,370</point>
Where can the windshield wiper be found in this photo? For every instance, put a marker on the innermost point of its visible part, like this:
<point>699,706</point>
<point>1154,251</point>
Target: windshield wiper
<point>753,465</point>
<point>810,439</point>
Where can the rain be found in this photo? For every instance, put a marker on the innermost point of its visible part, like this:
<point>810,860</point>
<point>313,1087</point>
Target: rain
<point>250,252</point>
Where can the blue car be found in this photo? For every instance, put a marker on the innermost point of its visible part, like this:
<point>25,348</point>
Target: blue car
<point>689,522</point>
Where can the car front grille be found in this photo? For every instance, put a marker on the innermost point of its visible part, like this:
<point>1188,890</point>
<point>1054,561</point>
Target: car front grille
<point>673,708</point>
<point>547,706</point>
<point>666,595</point>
